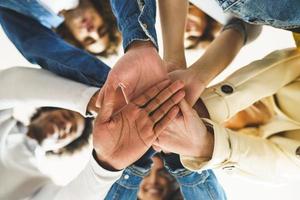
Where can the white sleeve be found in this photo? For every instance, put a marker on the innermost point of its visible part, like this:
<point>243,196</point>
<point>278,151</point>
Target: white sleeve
<point>93,183</point>
<point>38,87</point>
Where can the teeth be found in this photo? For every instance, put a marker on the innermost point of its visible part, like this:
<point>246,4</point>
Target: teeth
<point>153,191</point>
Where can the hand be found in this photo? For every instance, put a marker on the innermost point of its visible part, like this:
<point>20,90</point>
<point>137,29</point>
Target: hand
<point>193,87</point>
<point>186,135</point>
<point>91,107</point>
<point>127,135</point>
<point>140,68</point>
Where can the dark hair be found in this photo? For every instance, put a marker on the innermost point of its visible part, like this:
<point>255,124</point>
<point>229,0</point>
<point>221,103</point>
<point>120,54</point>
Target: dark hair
<point>75,145</point>
<point>104,9</point>
<point>212,28</point>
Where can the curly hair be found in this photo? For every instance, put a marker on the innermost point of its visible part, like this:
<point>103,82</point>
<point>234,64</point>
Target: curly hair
<point>75,145</point>
<point>104,9</point>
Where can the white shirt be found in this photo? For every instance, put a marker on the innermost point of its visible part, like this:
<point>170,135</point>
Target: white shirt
<point>58,5</point>
<point>20,177</point>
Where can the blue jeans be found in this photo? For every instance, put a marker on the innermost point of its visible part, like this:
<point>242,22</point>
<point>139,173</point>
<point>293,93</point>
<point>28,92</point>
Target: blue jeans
<point>282,14</point>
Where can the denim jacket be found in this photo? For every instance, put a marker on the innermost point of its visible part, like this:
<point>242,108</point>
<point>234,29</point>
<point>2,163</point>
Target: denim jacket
<point>40,45</point>
<point>35,10</point>
<point>136,20</point>
<point>193,185</point>
<point>282,14</point>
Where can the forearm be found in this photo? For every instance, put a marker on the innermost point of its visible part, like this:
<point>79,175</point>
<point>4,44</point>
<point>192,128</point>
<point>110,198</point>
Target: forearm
<point>250,156</point>
<point>173,18</point>
<point>93,183</point>
<point>40,45</point>
<point>38,87</point>
<point>218,56</point>
<point>251,83</point>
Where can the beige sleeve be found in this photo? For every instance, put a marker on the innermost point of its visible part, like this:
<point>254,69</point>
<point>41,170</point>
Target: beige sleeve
<point>239,153</point>
<point>251,83</point>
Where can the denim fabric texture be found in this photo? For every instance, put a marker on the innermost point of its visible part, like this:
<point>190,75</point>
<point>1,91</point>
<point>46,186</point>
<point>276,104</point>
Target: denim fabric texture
<point>136,20</point>
<point>282,14</point>
<point>35,10</point>
<point>40,45</point>
<point>199,185</point>
<point>127,187</point>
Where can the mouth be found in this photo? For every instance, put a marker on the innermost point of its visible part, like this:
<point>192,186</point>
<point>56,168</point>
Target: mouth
<point>154,190</point>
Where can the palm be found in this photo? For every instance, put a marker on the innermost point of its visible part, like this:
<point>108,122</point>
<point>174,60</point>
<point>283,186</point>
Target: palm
<point>128,135</point>
<point>137,70</point>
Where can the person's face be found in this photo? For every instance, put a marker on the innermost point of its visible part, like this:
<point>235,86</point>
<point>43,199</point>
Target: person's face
<point>155,186</point>
<point>195,25</point>
<point>88,27</point>
<point>57,128</point>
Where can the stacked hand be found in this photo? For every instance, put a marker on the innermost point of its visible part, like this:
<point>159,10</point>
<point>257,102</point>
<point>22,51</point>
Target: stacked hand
<point>125,130</point>
<point>127,135</point>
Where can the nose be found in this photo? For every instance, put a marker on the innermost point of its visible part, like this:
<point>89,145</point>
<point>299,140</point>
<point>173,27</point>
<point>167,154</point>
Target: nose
<point>153,178</point>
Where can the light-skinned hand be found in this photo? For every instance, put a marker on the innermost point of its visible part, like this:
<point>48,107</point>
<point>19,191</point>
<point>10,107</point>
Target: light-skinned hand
<point>186,135</point>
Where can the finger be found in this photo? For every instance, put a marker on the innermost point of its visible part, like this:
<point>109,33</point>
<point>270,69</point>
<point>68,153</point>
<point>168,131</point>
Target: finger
<point>106,102</point>
<point>166,120</point>
<point>185,107</point>
<point>151,93</point>
<point>164,95</point>
<point>169,104</point>
<point>156,148</point>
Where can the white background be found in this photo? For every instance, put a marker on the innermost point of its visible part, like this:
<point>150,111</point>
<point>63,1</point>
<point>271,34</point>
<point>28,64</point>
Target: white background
<point>63,169</point>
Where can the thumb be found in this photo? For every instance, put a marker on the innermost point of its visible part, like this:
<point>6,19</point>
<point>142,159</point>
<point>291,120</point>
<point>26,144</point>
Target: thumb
<point>105,102</point>
<point>185,108</point>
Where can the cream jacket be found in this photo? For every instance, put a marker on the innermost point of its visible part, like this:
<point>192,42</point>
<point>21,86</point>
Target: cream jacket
<point>267,153</point>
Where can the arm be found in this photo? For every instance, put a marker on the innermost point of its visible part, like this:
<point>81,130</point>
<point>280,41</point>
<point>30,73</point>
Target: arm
<point>251,83</point>
<point>199,75</point>
<point>173,33</point>
<point>136,20</point>
<point>38,87</point>
<point>253,157</point>
<point>40,45</point>
<point>93,183</point>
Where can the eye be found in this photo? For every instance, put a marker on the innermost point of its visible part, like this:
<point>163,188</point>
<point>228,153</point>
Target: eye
<point>102,31</point>
<point>88,40</point>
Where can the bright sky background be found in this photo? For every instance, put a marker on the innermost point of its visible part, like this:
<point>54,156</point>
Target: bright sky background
<point>271,39</point>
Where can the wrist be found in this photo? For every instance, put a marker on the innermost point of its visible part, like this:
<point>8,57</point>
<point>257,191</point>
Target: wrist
<point>138,44</point>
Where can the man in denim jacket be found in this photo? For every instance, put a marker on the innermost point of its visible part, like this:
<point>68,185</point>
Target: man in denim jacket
<point>162,179</point>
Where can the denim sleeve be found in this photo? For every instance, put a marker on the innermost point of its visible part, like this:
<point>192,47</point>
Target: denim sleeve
<point>203,185</point>
<point>40,45</point>
<point>136,20</point>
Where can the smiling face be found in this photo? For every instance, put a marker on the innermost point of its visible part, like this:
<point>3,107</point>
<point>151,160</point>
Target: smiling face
<point>56,128</point>
<point>155,186</point>
<point>88,27</point>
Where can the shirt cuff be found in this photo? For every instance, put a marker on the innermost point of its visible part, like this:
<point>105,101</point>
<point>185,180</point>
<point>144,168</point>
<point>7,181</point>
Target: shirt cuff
<point>104,174</point>
<point>221,152</point>
<point>84,100</point>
